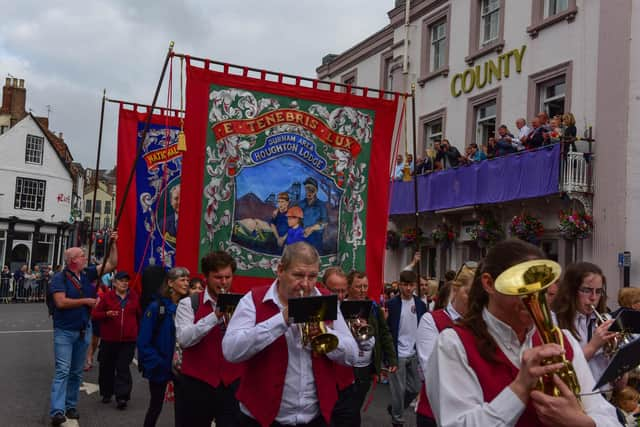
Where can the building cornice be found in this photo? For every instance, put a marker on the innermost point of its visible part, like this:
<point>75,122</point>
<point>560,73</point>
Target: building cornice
<point>373,44</point>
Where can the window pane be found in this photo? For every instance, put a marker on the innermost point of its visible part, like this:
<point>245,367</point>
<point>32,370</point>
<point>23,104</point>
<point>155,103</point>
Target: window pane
<point>30,194</point>
<point>33,151</point>
<point>553,7</point>
<point>98,206</point>
<point>88,205</point>
<point>438,45</point>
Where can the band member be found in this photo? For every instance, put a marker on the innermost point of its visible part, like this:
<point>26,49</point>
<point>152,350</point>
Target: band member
<point>358,287</point>
<point>285,383</point>
<point>405,312</point>
<point>347,410</point>
<point>431,325</point>
<point>208,382</point>
<point>483,372</point>
<point>581,289</point>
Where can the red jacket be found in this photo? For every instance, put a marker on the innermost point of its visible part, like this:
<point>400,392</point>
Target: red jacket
<point>124,327</point>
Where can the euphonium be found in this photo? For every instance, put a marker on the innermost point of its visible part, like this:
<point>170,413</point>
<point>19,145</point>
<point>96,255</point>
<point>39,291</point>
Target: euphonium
<point>530,280</point>
<point>321,343</point>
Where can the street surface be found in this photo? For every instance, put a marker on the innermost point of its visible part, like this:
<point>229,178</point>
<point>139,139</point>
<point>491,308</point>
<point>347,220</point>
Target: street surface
<point>26,363</point>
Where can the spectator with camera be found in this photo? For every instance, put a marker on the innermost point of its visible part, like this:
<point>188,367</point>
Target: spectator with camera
<point>506,143</point>
<point>448,155</point>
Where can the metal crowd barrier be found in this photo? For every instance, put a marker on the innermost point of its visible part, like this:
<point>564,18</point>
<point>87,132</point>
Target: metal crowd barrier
<point>22,290</point>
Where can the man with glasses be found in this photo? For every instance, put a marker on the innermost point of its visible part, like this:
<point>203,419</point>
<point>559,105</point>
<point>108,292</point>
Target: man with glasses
<point>405,311</point>
<point>285,384</point>
<point>74,295</point>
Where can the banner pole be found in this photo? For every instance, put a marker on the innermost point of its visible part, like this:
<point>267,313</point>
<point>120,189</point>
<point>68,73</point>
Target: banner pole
<point>95,178</point>
<point>415,182</point>
<point>139,150</point>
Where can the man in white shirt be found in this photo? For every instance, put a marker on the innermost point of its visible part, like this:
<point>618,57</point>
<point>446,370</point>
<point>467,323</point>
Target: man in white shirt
<point>523,133</point>
<point>206,389</point>
<point>405,311</point>
<point>485,371</point>
<point>285,382</point>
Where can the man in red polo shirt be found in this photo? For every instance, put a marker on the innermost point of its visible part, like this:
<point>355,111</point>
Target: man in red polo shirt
<point>285,383</point>
<point>206,389</point>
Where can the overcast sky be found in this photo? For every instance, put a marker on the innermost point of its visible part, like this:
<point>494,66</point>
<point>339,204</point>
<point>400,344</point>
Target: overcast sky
<point>68,51</point>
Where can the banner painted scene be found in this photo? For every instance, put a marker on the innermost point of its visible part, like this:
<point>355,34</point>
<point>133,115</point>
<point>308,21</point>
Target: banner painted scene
<point>272,164</point>
<point>149,222</point>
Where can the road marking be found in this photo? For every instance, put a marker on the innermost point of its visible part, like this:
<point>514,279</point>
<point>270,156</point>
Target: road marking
<point>70,423</point>
<point>89,388</point>
<point>32,331</point>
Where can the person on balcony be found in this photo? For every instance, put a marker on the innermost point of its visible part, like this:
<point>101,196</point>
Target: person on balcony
<point>569,136</point>
<point>505,142</point>
<point>448,156</point>
<point>398,172</point>
<point>523,133</point>
<point>536,136</point>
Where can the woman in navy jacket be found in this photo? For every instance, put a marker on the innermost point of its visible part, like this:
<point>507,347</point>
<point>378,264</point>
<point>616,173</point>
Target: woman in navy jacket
<point>157,339</point>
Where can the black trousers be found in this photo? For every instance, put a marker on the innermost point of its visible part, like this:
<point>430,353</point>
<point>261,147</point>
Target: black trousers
<point>114,375</point>
<point>200,403</point>
<point>156,399</point>
<point>246,421</point>
<point>422,421</point>
<point>346,412</point>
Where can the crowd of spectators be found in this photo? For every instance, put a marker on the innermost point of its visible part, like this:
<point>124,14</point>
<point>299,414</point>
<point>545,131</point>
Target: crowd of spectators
<point>25,284</point>
<point>540,131</point>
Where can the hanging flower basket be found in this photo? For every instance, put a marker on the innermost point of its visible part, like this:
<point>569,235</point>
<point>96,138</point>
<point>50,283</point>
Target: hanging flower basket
<point>409,235</point>
<point>575,225</point>
<point>443,234</point>
<point>526,227</point>
<point>488,232</point>
<point>393,239</point>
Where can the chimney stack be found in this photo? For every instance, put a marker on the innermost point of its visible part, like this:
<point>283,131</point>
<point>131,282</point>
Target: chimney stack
<point>14,97</point>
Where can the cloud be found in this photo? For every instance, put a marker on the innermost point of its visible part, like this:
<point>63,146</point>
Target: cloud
<point>68,51</point>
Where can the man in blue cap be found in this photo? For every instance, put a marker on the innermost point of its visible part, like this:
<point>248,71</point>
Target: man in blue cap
<point>315,214</point>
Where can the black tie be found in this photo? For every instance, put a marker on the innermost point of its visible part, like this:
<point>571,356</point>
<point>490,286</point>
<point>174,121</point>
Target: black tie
<point>590,325</point>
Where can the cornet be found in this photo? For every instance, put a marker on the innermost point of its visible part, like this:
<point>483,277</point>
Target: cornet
<point>610,347</point>
<point>361,332</point>
<point>530,280</point>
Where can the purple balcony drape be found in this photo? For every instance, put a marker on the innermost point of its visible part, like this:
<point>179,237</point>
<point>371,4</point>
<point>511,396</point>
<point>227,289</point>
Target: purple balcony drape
<point>517,176</point>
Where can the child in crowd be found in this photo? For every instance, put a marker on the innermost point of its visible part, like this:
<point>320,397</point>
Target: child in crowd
<point>627,400</point>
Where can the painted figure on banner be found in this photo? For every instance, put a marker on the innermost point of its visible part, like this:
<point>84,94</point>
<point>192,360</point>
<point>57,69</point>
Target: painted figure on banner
<point>171,224</point>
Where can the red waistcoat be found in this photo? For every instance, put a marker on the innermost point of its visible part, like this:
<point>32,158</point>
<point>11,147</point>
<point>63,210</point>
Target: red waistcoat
<point>495,376</point>
<point>442,320</point>
<point>263,383</point>
<point>204,361</point>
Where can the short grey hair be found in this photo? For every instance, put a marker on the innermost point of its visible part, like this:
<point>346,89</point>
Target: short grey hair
<point>299,252</point>
<point>178,272</point>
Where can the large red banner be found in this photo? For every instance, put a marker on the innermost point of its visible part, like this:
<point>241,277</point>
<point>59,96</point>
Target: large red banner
<point>258,149</point>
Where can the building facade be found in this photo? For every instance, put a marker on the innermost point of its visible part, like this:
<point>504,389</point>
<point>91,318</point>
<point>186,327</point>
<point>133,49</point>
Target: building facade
<point>36,188</point>
<point>477,64</point>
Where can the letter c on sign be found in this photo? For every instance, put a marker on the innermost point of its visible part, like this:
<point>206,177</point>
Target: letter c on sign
<point>455,92</point>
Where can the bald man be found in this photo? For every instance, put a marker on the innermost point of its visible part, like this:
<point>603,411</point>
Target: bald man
<point>74,295</point>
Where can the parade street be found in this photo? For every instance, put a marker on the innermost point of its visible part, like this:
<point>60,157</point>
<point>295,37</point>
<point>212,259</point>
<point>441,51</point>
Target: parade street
<point>27,368</point>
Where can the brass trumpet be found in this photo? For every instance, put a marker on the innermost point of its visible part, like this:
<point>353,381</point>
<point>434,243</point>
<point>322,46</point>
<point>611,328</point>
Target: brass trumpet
<point>322,342</point>
<point>530,280</point>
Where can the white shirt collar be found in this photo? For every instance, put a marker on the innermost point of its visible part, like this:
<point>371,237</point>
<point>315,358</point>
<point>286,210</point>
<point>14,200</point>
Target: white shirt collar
<point>208,297</point>
<point>453,314</point>
<point>272,294</point>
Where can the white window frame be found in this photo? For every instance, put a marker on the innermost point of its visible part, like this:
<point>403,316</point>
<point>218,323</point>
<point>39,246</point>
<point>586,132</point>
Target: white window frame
<point>107,206</point>
<point>429,136</point>
<point>30,194</point>
<point>488,15</point>
<point>554,7</point>
<point>34,150</point>
<point>481,122</point>
<point>439,42</point>
<point>543,101</point>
